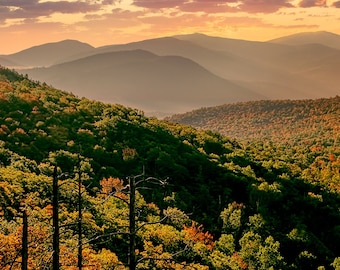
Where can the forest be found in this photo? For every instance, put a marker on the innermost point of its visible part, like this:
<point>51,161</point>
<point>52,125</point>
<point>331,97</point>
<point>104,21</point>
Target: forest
<point>289,121</point>
<point>125,191</point>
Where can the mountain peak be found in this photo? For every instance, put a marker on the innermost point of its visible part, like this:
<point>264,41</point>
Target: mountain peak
<point>321,37</point>
<point>49,53</point>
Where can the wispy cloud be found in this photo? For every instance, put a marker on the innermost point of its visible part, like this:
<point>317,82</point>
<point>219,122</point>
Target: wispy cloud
<point>158,4</point>
<point>336,4</point>
<point>313,3</point>
<point>211,6</point>
<point>217,6</point>
<point>11,9</point>
<point>264,6</point>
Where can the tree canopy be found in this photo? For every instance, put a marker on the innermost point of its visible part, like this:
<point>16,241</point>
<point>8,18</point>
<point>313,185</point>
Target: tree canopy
<point>229,204</point>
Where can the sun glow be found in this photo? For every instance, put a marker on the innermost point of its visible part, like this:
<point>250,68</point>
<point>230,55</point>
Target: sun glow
<point>95,21</point>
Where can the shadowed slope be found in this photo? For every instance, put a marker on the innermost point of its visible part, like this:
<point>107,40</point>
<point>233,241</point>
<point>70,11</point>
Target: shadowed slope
<point>143,80</point>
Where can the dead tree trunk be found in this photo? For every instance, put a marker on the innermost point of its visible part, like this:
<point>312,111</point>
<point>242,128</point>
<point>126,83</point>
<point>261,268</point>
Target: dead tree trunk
<point>80,217</point>
<point>132,225</point>
<point>55,217</point>
<point>24,250</point>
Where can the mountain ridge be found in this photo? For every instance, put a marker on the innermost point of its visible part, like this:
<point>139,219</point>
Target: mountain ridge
<point>187,37</point>
<point>266,70</point>
<point>322,37</point>
<point>154,76</point>
<point>47,54</point>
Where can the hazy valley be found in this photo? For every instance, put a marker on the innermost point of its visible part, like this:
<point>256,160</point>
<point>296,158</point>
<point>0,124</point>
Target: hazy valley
<point>176,74</point>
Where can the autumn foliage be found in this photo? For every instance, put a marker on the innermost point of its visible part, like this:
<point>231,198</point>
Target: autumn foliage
<point>265,197</point>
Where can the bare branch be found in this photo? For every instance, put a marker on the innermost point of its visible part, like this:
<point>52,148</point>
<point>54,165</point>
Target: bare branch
<point>150,223</point>
<point>104,235</point>
<point>153,180</point>
<point>164,259</point>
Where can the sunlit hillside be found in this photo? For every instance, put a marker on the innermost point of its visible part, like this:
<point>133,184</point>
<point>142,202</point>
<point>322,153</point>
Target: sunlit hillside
<point>104,186</point>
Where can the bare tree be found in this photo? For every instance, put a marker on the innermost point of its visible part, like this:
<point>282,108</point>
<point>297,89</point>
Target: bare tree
<point>55,217</point>
<point>134,183</point>
<point>80,220</point>
<point>24,250</point>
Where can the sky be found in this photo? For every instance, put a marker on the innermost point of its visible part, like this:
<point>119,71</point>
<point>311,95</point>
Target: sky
<point>27,23</point>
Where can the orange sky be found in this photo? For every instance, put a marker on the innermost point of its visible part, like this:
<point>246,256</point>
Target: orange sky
<point>26,23</point>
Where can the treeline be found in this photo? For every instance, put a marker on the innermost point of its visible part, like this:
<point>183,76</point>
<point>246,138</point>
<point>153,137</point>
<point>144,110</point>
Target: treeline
<point>291,121</point>
<point>226,205</point>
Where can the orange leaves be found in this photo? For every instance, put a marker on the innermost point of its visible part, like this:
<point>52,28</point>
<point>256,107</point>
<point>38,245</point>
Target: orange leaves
<point>196,234</point>
<point>240,262</point>
<point>332,158</point>
<point>104,259</point>
<point>27,96</point>
<point>113,186</point>
<point>49,209</point>
<point>9,246</point>
<point>5,86</point>
<point>110,184</point>
<point>19,131</point>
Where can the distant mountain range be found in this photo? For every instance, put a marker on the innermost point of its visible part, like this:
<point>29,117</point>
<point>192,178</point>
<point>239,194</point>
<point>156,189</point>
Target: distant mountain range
<point>48,54</point>
<point>180,73</point>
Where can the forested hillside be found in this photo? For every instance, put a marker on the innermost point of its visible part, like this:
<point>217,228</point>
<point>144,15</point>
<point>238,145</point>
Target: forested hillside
<point>211,203</point>
<point>291,121</point>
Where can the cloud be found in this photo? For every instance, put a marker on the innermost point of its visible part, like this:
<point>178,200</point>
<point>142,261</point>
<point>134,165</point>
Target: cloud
<point>210,6</point>
<point>153,4</point>
<point>313,3</point>
<point>298,26</point>
<point>217,6</point>
<point>118,22</point>
<point>11,9</point>
<point>336,4</point>
<point>116,18</point>
<point>264,6</point>
<point>163,24</point>
<point>110,2</point>
<point>243,21</point>
<point>16,3</point>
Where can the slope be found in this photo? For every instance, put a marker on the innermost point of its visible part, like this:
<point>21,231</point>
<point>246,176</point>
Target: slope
<point>321,37</point>
<point>143,80</point>
<point>244,62</point>
<point>279,71</point>
<point>280,121</point>
<point>7,63</point>
<point>264,206</point>
<point>49,53</point>
<point>266,68</point>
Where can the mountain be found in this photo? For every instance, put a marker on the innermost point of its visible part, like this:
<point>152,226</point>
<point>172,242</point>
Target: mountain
<point>143,80</point>
<point>276,70</point>
<point>229,63</point>
<point>203,201</point>
<point>321,37</point>
<point>316,64</point>
<point>290,121</point>
<point>223,64</point>
<point>8,63</point>
<point>48,54</point>
<point>265,70</point>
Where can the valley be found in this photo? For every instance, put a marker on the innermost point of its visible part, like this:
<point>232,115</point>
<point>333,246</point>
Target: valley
<point>177,74</point>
